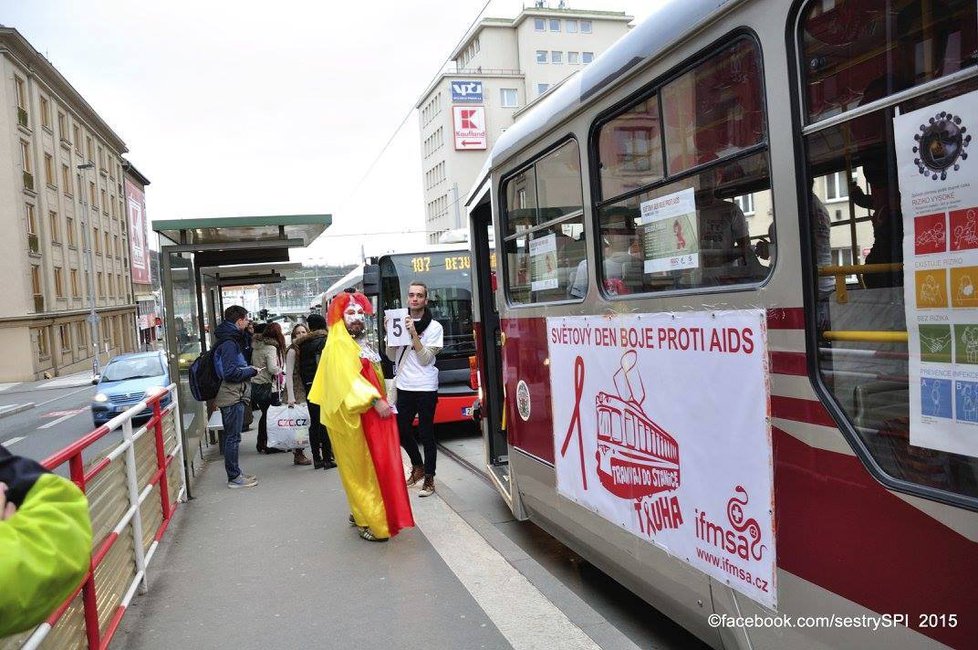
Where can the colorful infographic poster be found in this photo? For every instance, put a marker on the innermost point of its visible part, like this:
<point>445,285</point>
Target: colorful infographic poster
<point>543,263</point>
<point>660,427</point>
<point>671,233</point>
<point>939,202</point>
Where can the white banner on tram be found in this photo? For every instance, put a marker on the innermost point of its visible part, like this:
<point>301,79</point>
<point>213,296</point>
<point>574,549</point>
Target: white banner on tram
<point>939,203</point>
<point>668,435</point>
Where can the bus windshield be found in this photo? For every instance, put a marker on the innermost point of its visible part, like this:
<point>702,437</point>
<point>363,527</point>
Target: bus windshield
<point>447,275</point>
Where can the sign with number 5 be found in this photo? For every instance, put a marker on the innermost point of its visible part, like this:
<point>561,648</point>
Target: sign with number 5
<point>397,333</point>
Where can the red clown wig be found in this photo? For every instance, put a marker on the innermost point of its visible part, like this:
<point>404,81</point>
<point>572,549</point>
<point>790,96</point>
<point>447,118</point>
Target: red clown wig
<point>341,301</point>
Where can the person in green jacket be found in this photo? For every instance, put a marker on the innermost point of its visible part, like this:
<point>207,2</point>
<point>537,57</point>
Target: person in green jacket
<point>45,542</point>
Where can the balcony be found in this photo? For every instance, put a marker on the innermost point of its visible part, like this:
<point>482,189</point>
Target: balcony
<point>33,245</point>
<point>28,181</point>
<point>21,117</point>
<point>38,303</point>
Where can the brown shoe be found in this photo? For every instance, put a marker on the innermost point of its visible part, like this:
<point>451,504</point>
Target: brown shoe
<point>429,486</point>
<point>300,458</point>
<point>417,473</point>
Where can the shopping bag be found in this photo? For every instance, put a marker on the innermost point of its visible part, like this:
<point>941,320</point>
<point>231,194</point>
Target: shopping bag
<point>288,428</point>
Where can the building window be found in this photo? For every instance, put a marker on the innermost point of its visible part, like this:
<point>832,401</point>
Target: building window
<point>49,170</point>
<point>554,25</point>
<point>542,88</point>
<point>91,196</point>
<point>746,204</point>
<point>25,158</point>
<point>105,204</point>
<point>541,56</point>
<point>508,97</point>
<point>63,127</point>
<point>59,282</point>
<point>101,158</point>
<point>585,26</point>
<point>70,230</point>
<point>42,343</point>
<point>836,188</point>
<point>112,205</point>
<point>573,58</point>
<point>98,245</point>
<point>55,226</point>
<point>539,24</point>
<point>75,289</point>
<point>66,180</point>
<point>45,112</point>
<point>31,220</point>
<point>65,335</point>
<point>587,57</point>
<point>81,339</point>
<point>118,251</point>
<point>77,137</point>
<point>557,57</point>
<point>571,26</point>
<point>21,93</point>
<point>101,284</point>
<point>36,281</point>
<point>108,249</point>
<point>90,147</point>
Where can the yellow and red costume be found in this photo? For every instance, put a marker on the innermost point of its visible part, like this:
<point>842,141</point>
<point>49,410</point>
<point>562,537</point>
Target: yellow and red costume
<point>366,447</point>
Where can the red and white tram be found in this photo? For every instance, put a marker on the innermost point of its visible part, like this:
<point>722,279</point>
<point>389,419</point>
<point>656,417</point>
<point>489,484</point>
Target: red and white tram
<point>733,356</point>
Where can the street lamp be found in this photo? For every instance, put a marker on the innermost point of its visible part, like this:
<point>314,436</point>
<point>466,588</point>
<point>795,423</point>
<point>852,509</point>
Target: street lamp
<point>93,320</point>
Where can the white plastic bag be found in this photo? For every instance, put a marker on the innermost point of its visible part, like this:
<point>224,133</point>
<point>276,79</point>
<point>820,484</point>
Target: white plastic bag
<point>288,428</point>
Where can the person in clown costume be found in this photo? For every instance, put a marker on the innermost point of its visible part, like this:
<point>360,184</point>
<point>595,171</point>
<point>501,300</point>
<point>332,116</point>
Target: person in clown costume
<point>349,387</point>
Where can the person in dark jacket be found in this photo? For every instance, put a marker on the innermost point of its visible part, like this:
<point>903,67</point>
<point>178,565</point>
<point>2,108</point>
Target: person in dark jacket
<point>235,392</point>
<point>303,359</point>
<point>45,542</point>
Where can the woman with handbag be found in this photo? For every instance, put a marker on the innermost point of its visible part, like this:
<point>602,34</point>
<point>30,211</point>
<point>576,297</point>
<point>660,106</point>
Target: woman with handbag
<point>269,356</point>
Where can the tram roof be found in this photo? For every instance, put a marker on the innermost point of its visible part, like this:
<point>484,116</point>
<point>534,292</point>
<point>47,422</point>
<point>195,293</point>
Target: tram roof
<point>668,24</point>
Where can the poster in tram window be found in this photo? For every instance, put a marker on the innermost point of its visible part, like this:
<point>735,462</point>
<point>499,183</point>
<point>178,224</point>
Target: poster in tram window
<point>543,263</point>
<point>661,427</point>
<point>939,203</point>
<point>671,234</point>
<point>139,255</point>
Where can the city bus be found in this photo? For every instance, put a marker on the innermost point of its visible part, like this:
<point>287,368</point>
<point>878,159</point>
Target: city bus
<point>730,358</point>
<point>446,270</point>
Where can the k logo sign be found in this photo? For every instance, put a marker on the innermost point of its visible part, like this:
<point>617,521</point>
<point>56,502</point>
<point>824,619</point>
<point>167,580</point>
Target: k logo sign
<point>466,91</point>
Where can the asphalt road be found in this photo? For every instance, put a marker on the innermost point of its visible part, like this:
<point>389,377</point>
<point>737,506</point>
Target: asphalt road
<point>61,415</point>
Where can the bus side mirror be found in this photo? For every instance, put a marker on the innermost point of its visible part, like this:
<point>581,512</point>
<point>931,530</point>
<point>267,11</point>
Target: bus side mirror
<point>371,280</point>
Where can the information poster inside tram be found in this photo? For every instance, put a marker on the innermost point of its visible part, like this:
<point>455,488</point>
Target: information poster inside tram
<point>543,263</point>
<point>939,203</point>
<point>671,238</point>
<point>667,435</point>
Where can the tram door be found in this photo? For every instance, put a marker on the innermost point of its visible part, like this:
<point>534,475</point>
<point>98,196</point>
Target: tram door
<point>487,315</point>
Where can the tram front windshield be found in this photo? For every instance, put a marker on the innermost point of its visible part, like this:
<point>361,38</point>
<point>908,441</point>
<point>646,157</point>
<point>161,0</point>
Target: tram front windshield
<point>448,276</point>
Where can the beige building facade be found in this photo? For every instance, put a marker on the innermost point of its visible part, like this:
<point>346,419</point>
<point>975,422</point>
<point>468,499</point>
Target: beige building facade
<point>500,67</point>
<point>66,243</point>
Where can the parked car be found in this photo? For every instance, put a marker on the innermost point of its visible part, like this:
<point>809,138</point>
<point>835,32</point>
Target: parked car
<point>188,353</point>
<point>126,380</point>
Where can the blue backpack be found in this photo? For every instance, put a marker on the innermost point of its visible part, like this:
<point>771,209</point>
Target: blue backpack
<point>203,378</point>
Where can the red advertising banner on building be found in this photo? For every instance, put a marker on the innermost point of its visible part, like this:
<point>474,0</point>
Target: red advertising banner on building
<point>138,246</point>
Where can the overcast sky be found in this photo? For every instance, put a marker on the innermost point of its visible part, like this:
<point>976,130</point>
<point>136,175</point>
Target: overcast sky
<point>255,108</point>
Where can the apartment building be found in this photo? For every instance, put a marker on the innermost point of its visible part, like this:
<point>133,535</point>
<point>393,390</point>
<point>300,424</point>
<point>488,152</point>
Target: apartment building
<point>61,201</point>
<point>500,67</point>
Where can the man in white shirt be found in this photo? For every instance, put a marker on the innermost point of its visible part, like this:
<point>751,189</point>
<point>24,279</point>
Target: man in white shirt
<point>416,379</point>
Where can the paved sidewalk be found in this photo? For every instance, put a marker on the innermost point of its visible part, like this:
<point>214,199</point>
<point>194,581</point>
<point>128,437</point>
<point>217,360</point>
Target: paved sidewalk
<point>279,566</point>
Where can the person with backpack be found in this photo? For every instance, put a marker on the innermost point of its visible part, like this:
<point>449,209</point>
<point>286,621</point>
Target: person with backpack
<point>302,360</point>
<point>234,395</point>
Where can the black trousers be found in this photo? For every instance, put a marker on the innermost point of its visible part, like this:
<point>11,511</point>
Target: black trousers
<point>319,444</point>
<point>422,404</point>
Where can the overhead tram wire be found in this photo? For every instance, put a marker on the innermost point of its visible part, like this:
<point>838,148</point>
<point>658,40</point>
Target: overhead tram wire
<point>410,112</point>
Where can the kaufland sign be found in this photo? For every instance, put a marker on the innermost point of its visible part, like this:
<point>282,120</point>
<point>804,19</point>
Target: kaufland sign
<point>466,91</point>
<point>470,127</point>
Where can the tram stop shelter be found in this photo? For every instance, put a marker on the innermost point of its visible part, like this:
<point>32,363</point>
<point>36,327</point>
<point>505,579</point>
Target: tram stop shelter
<point>198,257</point>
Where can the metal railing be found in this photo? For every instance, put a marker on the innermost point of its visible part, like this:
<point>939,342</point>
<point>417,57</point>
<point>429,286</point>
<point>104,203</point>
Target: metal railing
<point>129,495</point>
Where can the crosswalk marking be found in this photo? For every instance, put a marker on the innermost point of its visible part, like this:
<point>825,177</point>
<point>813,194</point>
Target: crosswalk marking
<point>14,441</point>
<point>60,420</point>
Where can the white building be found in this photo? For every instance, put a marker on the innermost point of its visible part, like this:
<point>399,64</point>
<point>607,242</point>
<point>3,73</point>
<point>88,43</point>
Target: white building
<point>499,68</point>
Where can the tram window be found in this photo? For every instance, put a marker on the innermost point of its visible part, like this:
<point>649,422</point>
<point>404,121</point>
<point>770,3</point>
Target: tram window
<point>854,53</point>
<point>630,149</point>
<point>862,50</point>
<point>714,110</point>
<point>690,232</point>
<point>544,227</point>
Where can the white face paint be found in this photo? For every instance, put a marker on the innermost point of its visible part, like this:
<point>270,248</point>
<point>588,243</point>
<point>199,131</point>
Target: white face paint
<point>353,314</point>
